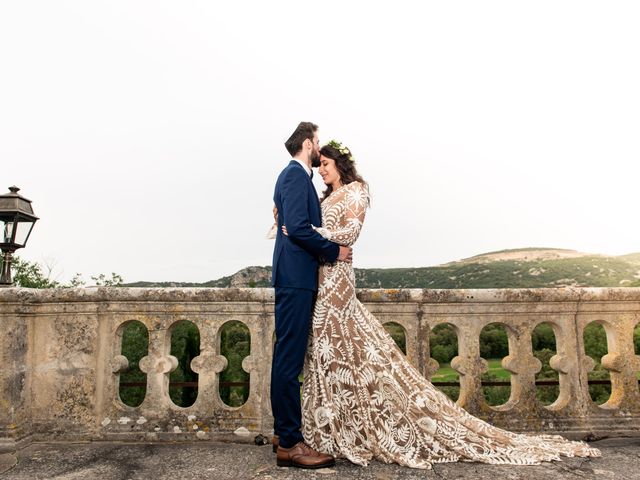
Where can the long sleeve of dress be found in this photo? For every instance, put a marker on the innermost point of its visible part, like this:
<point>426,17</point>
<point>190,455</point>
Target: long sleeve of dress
<point>353,207</point>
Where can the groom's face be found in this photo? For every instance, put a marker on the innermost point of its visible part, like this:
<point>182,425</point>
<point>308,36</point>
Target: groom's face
<point>315,151</point>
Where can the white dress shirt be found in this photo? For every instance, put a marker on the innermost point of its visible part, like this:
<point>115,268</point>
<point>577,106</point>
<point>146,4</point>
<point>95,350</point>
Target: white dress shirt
<point>304,165</point>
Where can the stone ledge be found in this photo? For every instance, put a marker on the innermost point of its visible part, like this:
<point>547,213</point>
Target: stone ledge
<point>402,295</point>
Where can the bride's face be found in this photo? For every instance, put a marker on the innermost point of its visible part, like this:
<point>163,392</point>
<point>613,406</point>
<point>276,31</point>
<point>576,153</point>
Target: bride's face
<point>329,172</point>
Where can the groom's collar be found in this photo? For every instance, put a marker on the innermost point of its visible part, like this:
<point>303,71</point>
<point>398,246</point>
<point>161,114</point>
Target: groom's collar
<point>304,165</point>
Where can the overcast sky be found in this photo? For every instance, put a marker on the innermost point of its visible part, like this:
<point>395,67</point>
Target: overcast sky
<point>149,134</point>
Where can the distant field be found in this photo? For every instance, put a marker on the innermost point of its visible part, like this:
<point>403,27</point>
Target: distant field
<point>448,374</point>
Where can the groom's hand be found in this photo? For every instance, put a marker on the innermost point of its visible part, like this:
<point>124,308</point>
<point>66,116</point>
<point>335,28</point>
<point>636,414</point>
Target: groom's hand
<point>346,254</point>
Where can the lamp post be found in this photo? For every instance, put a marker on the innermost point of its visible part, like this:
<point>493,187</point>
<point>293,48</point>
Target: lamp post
<point>16,222</point>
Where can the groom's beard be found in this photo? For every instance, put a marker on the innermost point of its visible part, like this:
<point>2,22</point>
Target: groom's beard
<point>315,160</point>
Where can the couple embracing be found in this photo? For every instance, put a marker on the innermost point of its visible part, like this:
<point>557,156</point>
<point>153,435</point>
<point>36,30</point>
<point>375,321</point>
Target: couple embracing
<point>361,398</point>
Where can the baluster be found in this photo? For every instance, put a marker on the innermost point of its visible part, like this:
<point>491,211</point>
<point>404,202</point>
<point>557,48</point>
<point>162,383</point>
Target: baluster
<point>523,367</point>
<point>264,341</point>
<point>258,365</point>
<point>469,364</point>
<point>577,364</point>
<point>208,365</point>
<point>622,362</point>
<point>428,365</point>
<point>157,365</point>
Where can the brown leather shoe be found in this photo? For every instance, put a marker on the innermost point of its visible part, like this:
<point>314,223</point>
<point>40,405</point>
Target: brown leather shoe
<point>302,455</point>
<point>275,441</point>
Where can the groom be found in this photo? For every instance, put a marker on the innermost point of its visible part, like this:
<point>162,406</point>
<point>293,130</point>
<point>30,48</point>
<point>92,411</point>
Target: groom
<point>295,278</point>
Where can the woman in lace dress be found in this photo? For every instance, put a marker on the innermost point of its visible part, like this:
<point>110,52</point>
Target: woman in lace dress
<point>362,399</point>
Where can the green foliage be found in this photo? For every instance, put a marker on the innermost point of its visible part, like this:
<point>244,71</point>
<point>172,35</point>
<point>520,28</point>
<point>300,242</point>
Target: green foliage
<point>499,394</point>
<point>495,395</point>
<point>135,345</point>
<point>452,392</point>
<point>76,281</point>
<point>103,281</point>
<point>599,393</point>
<point>481,271</point>
<point>28,274</point>
<point>447,374</point>
<point>595,345</point>
<point>587,271</point>
<point>185,346</point>
<point>31,275</point>
<point>494,341</point>
<point>546,372</point>
<point>397,333</point>
<point>595,341</point>
<point>235,345</point>
<point>543,337</point>
<point>443,342</point>
<point>546,394</point>
<point>543,341</point>
<point>633,258</point>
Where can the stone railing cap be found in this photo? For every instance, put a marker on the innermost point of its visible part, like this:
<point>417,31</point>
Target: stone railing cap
<point>409,295</point>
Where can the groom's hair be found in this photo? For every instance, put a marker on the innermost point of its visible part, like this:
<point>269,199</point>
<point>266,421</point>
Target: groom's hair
<point>301,133</point>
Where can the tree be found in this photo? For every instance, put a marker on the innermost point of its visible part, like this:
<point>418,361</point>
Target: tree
<point>443,341</point>
<point>135,345</point>
<point>185,346</point>
<point>28,274</point>
<point>546,394</point>
<point>235,344</point>
<point>493,341</point>
<point>103,281</point>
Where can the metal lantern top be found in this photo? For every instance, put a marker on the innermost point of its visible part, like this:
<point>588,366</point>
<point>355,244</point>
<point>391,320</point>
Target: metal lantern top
<point>16,218</point>
<point>13,203</point>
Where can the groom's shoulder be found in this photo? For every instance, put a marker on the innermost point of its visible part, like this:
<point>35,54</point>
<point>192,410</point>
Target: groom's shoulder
<point>292,165</point>
<point>292,169</point>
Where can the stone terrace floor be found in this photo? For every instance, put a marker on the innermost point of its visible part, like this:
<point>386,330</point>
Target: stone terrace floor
<point>222,461</point>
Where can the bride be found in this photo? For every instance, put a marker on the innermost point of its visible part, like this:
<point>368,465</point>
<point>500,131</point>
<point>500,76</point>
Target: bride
<point>361,397</point>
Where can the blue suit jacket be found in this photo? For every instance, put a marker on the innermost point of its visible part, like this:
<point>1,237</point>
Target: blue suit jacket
<point>296,257</point>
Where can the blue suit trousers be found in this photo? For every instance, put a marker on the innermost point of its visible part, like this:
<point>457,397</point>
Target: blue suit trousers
<point>293,310</point>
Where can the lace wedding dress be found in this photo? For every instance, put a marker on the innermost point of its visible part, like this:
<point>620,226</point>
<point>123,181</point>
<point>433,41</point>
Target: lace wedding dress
<point>362,399</point>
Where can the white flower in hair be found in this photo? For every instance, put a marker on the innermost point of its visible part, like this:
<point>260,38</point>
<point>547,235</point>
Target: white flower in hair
<point>343,149</point>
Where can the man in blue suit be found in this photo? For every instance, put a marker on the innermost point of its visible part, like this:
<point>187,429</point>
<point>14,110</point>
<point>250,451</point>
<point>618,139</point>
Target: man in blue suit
<point>295,277</point>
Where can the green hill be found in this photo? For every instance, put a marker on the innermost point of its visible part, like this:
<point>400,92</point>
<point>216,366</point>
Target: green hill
<point>633,258</point>
<point>517,268</point>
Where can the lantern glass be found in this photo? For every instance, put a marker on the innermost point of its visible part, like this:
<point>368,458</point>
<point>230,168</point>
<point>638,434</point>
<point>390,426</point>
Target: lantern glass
<point>23,231</point>
<point>15,232</point>
<point>7,228</point>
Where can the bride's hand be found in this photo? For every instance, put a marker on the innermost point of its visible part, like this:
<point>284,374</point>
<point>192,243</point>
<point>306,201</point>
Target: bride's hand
<point>284,230</point>
<point>275,214</point>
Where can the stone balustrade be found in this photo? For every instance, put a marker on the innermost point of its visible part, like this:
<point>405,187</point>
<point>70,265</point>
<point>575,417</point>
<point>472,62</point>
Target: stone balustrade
<point>61,358</point>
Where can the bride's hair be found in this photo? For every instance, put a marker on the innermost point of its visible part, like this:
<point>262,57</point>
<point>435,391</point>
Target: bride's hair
<point>344,164</point>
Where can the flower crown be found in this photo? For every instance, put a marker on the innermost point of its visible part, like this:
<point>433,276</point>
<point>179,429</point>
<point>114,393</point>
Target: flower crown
<point>343,149</point>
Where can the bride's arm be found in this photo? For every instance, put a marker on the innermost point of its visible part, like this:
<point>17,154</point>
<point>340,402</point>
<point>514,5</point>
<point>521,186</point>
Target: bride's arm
<point>357,199</point>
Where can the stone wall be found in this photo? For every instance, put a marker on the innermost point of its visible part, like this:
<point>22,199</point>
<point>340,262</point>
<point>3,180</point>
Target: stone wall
<point>61,358</point>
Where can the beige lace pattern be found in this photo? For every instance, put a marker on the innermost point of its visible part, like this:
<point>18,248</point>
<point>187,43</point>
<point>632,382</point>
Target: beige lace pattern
<point>362,399</point>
